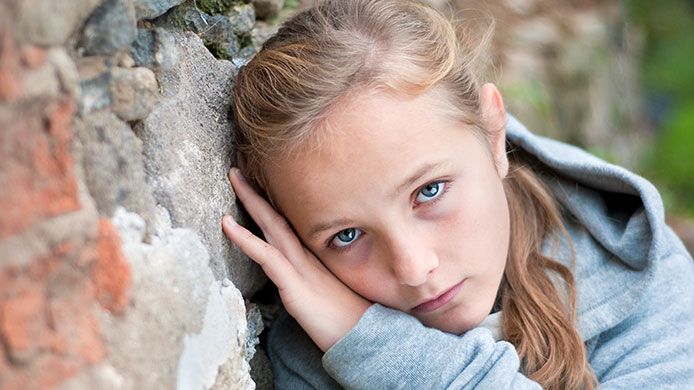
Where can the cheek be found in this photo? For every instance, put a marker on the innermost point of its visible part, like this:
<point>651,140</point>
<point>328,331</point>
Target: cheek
<point>477,225</point>
<point>354,268</point>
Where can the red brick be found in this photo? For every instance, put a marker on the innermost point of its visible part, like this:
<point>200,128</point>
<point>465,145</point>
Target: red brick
<point>33,56</point>
<point>23,321</point>
<point>36,168</point>
<point>10,70</point>
<point>111,273</point>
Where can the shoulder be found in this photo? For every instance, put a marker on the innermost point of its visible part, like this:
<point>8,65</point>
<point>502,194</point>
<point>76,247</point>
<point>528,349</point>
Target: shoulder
<point>654,343</point>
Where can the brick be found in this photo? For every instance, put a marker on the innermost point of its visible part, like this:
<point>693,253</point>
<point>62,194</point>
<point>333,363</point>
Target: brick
<point>23,321</point>
<point>10,69</point>
<point>37,167</point>
<point>111,273</point>
<point>33,56</point>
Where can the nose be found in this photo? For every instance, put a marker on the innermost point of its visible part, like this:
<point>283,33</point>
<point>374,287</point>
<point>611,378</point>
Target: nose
<point>413,259</point>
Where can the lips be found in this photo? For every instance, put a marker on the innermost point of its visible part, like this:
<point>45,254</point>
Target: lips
<point>439,300</point>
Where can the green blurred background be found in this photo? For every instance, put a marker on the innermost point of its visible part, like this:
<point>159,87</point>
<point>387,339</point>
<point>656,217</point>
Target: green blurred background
<point>667,75</point>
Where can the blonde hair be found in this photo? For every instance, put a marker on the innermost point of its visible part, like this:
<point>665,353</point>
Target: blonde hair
<point>324,55</point>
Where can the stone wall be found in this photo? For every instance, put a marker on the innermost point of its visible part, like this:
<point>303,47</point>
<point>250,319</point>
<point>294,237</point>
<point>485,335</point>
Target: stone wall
<point>115,142</point>
<point>114,147</point>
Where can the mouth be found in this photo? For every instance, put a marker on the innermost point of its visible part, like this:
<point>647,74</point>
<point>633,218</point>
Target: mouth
<point>440,300</point>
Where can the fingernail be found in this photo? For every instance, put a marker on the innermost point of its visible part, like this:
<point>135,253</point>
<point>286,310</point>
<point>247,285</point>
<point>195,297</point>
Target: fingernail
<point>239,175</point>
<point>229,221</point>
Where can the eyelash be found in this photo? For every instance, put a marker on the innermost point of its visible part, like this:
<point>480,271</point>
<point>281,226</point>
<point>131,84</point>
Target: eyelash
<point>446,187</point>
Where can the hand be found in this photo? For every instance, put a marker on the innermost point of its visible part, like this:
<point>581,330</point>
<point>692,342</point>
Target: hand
<point>325,307</point>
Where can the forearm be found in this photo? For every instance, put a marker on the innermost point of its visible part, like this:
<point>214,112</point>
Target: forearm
<point>390,349</point>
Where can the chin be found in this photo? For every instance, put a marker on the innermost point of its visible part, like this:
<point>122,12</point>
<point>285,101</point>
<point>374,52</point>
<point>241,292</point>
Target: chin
<point>454,322</point>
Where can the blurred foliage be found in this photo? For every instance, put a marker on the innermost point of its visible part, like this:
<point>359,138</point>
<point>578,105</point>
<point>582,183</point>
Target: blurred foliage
<point>668,79</point>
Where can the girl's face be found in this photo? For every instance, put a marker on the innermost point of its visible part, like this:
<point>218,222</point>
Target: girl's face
<point>405,206</point>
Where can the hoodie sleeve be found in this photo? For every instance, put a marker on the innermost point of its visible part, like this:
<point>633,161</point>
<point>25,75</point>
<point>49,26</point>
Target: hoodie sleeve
<point>389,349</point>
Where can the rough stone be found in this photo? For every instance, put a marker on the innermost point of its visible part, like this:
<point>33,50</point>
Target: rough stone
<point>114,172</point>
<point>255,327</point>
<point>215,6</point>
<point>261,33</point>
<point>110,28</point>
<point>30,73</point>
<point>50,22</point>
<point>65,69</point>
<point>261,371</point>
<point>202,328</point>
<point>148,49</point>
<point>126,61</point>
<point>242,17</point>
<point>266,9</point>
<point>133,92</point>
<point>220,38</point>
<point>149,9</point>
<point>216,31</point>
<point>95,93</point>
<point>187,142</point>
<point>244,56</point>
<point>41,82</point>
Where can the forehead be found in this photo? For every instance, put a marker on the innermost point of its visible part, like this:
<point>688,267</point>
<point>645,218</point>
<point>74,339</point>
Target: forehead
<point>372,142</point>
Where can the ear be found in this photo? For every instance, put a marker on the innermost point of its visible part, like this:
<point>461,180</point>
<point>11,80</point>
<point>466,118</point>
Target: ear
<point>494,121</point>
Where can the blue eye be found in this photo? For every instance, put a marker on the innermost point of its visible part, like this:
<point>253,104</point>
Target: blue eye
<point>346,237</point>
<point>430,192</point>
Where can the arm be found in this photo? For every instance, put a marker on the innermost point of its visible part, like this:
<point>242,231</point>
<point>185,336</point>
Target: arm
<point>654,347</point>
<point>390,349</point>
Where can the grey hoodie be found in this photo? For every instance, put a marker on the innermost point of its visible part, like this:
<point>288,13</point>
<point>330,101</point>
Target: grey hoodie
<point>635,301</point>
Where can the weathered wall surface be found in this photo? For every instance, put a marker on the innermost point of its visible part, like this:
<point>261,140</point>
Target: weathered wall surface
<point>114,146</point>
<point>115,141</point>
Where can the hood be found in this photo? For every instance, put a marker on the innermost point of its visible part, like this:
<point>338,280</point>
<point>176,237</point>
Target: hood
<point>617,227</point>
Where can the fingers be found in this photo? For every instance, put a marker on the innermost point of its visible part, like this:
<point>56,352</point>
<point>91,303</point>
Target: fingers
<point>274,263</point>
<point>275,227</point>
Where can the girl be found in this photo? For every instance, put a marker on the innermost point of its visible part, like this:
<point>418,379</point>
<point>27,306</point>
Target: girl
<point>420,237</point>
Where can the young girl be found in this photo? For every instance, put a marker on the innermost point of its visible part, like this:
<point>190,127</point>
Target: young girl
<point>420,237</point>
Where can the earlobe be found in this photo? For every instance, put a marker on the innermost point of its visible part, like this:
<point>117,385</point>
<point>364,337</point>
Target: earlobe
<point>493,115</point>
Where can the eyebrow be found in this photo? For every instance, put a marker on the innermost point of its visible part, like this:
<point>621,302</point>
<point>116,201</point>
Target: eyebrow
<point>327,226</point>
<point>408,182</point>
<point>416,176</point>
